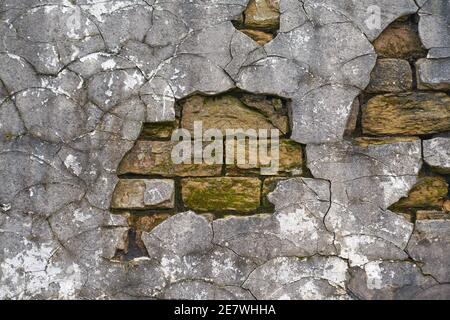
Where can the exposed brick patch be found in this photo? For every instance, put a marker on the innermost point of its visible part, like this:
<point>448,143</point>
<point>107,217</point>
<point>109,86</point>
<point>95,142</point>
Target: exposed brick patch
<point>218,189</point>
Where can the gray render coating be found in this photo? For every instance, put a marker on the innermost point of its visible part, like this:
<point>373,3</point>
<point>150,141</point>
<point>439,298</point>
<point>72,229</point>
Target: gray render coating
<point>78,81</point>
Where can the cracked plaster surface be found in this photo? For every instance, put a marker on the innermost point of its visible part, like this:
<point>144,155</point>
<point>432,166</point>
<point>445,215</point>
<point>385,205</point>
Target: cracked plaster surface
<point>78,80</point>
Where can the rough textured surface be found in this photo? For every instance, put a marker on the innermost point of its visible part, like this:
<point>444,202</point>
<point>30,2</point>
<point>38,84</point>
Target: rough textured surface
<point>263,14</point>
<point>144,194</point>
<point>290,160</point>
<point>399,41</point>
<point>364,184</point>
<point>434,28</point>
<point>77,82</point>
<point>390,75</point>
<point>436,153</point>
<point>154,158</point>
<point>432,215</point>
<point>433,74</point>
<point>301,205</point>
<point>429,245</point>
<point>429,192</point>
<point>407,114</point>
<point>227,112</point>
<point>221,194</point>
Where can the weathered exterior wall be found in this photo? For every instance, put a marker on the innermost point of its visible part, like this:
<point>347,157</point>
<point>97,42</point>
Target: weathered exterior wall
<point>360,210</point>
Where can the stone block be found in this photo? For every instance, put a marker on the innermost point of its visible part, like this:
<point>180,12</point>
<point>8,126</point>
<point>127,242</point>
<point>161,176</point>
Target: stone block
<point>221,194</point>
<point>262,14</point>
<point>154,158</point>
<point>141,194</point>
<point>390,75</point>
<point>433,74</point>
<point>429,192</point>
<point>290,160</point>
<point>407,114</point>
<point>436,153</point>
<point>400,41</point>
<point>226,112</point>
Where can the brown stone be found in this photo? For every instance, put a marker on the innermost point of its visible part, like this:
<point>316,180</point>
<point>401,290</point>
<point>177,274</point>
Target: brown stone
<point>262,14</point>
<point>221,194</point>
<point>403,19</point>
<point>146,223</point>
<point>429,192</point>
<point>154,158</point>
<point>408,217</point>
<point>144,194</point>
<point>446,206</point>
<point>260,37</point>
<point>432,215</point>
<point>161,130</point>
<point>401,41</point>
<point>272,108</point>
<point>366,142</point>
<point>390,75</point>
<point>223,112</point>
<point>407,114</point>
<point>142,224</point>
<point>290,160</point>
<point>208,216</point>
<point>352,122</point>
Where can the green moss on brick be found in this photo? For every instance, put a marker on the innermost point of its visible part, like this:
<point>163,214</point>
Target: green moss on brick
<point>222,194</point>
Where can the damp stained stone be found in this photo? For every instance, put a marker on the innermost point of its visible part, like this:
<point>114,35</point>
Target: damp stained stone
<point>428,193</point>
<point>159,130</point>
<point>407,114</point>
<point>399,41</point>
<point>390,75</point>
<point>221,194</point>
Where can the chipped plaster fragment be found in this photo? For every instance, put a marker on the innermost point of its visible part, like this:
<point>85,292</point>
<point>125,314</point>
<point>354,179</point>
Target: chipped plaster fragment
<point>37,269</point>
<point>6,207</point>
<point>374,274</point>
